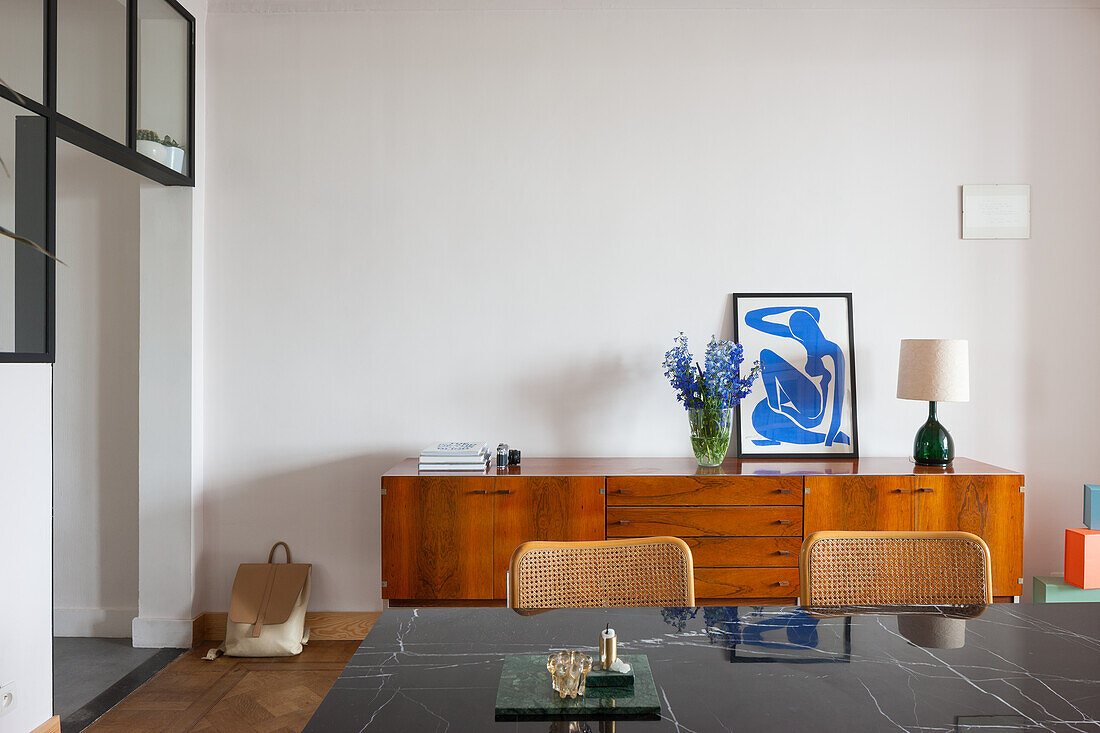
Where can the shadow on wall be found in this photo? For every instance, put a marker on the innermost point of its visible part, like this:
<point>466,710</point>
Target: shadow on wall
<point>575,402</point>
<point>329,514</point>
<point>96,397</point>
<point>1062,402</point>
<point>725,332</point>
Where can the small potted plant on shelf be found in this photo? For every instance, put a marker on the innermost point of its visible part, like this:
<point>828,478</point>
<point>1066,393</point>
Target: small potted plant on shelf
<point>165,151</point>
<point>174,154</point>
<point>709,395</point>
<point>149,144</point>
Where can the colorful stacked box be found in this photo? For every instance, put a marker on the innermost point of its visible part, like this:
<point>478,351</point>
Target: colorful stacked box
<point>1056,590</point>
<point>1083,558</point>
<point>1082,578</point>
<point>1083,545</point>
<point>1092,506</point>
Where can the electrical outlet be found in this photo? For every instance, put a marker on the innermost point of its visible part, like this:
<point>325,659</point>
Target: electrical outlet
<point>7,698</point>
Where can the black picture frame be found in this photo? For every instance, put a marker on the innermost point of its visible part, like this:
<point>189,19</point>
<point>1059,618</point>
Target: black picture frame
<point>850,356</point>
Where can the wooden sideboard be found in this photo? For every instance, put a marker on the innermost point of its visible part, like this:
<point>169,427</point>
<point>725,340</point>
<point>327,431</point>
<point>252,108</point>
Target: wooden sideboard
<point>447,537</point>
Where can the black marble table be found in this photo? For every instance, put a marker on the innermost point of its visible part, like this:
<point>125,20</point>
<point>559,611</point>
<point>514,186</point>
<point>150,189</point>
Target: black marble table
<point>1020,667</point>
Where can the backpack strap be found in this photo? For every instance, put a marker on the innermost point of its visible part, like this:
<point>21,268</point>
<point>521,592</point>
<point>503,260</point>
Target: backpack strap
<point>271,555</point>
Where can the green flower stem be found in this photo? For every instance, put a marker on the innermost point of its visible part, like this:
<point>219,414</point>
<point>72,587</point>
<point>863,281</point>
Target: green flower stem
<point>711,429</point>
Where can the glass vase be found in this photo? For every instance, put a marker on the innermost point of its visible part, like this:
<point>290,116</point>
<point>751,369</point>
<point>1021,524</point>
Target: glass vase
<point>711,429</point>
<point>933,445</point>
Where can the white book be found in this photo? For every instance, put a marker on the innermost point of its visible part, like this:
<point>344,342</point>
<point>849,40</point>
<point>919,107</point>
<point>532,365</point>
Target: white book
<point>481,458</point>
<point>453,466</point>
<point>456,449</point>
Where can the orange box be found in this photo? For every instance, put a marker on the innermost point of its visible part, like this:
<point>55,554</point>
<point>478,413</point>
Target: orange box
<point>1083,558</point>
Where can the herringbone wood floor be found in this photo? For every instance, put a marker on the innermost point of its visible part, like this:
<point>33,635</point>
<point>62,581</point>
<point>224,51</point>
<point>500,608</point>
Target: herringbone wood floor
<point>229,694</point>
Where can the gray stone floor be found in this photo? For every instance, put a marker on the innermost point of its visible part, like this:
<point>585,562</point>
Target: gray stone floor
<point>85,668</point>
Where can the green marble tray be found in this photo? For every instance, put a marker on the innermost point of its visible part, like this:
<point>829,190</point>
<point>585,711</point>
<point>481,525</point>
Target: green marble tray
<point>525,693</point>
<point>607,678</point>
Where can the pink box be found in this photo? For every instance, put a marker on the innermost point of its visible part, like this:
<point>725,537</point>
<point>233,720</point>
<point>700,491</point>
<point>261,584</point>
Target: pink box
<point>1083,558</point>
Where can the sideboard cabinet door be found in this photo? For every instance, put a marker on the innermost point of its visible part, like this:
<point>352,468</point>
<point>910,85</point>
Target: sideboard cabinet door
<point>991,507</point>
<point>437,537</point>
<point>548,508</point>
<point>855,503</point>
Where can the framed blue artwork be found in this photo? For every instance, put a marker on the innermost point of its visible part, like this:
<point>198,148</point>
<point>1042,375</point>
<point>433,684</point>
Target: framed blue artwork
<point>804,405</point>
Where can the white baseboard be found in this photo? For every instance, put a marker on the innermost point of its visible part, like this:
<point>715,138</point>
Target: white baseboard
<point>111,622</point>
<point>155,633</point>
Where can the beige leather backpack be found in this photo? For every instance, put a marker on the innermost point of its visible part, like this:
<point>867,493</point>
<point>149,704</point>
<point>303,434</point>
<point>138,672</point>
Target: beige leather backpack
<point>267,609</point>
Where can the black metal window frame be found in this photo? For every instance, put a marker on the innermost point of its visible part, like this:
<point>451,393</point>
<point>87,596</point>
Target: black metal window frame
<point>59,126</point>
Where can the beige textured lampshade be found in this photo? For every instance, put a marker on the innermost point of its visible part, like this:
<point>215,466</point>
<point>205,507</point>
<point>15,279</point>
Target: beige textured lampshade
<point>934,370</point>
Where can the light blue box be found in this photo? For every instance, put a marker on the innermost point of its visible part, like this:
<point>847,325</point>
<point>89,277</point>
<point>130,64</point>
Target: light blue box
<point>1092,506</point>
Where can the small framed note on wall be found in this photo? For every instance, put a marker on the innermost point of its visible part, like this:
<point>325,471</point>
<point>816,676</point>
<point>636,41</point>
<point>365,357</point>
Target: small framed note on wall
<point>996,211</point>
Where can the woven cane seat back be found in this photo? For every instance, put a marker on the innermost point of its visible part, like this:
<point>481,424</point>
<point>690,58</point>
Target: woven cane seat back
<point>894,568</point>
<point>652,571</point>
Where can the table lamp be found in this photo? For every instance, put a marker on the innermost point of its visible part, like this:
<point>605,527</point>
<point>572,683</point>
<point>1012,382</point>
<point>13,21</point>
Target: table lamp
<point>934,370</point>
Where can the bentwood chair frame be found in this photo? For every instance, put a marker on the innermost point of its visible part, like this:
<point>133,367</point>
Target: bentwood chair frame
<point>646,571</point>
<point>894,568</point>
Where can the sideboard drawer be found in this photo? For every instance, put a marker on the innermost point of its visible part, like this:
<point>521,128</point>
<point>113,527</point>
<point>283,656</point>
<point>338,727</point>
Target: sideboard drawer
<point>704,490</point>
<point>747,521</point>
<point>744,552</point>
<point>746,582</point>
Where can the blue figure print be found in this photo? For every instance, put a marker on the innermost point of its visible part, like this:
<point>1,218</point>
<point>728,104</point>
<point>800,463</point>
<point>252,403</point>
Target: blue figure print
<point>796,404</point>
<point>799,628</point>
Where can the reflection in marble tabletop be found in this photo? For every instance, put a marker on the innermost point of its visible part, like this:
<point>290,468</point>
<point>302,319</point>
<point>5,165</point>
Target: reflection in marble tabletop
<point>1019,667</point>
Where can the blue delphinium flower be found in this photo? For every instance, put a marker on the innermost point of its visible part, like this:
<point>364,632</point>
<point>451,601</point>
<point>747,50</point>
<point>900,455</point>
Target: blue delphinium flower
<point>718,384</point>
<point>725,386</point>
<point>680,374</point>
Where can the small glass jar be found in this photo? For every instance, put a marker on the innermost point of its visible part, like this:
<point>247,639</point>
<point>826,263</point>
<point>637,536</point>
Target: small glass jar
<point>502,456</point>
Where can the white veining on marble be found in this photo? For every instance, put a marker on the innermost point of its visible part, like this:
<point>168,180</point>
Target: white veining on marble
<point>882,712</point>
<point>672,714</point>
<point>411,665</point>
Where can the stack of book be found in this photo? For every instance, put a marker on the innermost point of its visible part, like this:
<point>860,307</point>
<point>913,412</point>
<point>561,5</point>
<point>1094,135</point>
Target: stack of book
<point>455,457</point>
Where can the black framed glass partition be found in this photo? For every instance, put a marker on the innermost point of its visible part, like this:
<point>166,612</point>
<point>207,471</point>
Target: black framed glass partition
<point>91,65</point>
<point>26,275</point>
<point>23,47</point>
<point>108,76</point>
<point>163,44</point>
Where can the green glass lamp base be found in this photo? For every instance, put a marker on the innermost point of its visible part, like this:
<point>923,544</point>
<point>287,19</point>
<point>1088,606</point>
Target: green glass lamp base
<point>933,445</point>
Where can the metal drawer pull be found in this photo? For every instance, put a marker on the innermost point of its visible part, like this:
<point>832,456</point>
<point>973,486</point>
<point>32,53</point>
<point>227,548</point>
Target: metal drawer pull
<point>903,491</point>
<point>504,491</point>
<point>784,582</point>
<point>784,521</point>
<point>782,552</point>
<point>624,521</point>
<point>480,491</point>
<point>784,491</point>
<point>623,491</point>
<point>925,490</point>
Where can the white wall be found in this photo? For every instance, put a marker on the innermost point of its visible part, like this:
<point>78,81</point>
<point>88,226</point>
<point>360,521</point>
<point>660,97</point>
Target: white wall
<point>96,397</point>
<point>166,581</point>
<point>198,8</point>
<point>384,186</point>
<point>25,640</point>
<point>170,379</point>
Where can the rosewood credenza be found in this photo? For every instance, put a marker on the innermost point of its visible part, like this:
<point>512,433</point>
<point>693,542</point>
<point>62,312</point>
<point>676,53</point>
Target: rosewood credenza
<point>447,537</point>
